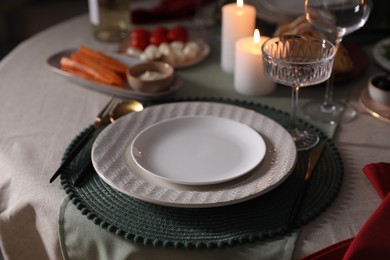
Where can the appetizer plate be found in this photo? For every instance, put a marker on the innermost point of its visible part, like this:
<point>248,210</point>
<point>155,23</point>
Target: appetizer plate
<point>113,161</point>
<point>374,108</point>
<point>379,55</point>
<point>216,150</point>
<point>202,55</point>
<point>126,92</point>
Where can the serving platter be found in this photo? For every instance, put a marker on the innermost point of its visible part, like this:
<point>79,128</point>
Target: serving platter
<point>126,92</point>
<point>112,160</point>
<point>198,150</point>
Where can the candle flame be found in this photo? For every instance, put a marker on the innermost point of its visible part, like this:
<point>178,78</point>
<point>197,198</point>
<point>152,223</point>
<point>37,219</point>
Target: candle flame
<point>256,36</point>
<point>240,3</point>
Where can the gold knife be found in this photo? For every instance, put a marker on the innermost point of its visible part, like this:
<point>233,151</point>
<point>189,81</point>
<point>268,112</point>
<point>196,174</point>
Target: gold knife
<point>314,155</point>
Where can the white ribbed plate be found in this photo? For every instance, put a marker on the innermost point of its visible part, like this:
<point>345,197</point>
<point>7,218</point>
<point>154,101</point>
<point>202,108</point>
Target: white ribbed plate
<point>111,157</point>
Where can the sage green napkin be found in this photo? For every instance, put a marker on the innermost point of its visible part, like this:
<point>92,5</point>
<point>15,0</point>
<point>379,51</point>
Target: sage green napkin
<point>80,238</point>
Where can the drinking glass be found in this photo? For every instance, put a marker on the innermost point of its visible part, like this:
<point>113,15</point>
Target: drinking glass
<point>298,61</point>
<point>335,18</point>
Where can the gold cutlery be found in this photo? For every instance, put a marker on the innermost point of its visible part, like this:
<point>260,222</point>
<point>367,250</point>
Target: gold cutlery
<point>121,109</point>
<point>314,156</point>
<point>86,136</point>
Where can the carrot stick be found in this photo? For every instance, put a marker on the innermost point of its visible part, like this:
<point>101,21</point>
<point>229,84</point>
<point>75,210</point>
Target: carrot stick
<point>103,59</point>
<point>84,71</point>
<point>81,70</point>
<point>78,73</point>
<point>109,75</point>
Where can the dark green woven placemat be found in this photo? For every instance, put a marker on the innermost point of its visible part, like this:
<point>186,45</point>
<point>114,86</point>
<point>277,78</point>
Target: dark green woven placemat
<point>260,218</point>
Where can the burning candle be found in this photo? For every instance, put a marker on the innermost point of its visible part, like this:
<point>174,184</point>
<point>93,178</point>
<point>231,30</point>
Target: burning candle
<point>249,78</point>
<point>238,20</point>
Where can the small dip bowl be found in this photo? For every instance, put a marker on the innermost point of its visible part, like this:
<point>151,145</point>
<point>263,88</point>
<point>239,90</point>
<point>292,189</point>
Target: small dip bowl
<point>150,77</point>
<point>379,88</point>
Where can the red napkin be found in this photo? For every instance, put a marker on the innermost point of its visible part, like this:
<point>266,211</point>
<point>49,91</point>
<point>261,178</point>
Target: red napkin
<point>166,10</point>
<point>379,175</point>
<point>373,240</point>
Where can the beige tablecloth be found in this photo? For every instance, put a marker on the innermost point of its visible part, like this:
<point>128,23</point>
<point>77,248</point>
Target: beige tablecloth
<point>41,112</point>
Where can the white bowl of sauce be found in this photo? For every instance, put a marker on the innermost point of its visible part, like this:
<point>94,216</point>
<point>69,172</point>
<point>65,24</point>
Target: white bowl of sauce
<point>379,88</point>
<point>151,77</point>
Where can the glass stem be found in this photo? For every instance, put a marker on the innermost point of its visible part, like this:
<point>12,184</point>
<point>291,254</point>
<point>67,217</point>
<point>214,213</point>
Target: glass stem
<point>294,105</point>
<point>328,100</point>
<point>328,105</point>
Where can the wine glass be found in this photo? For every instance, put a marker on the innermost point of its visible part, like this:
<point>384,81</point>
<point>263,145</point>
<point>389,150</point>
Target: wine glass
<point>335,18</point>
<point>298,61</point>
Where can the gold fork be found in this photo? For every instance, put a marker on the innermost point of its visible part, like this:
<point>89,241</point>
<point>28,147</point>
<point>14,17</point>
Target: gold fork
<point>100,118</point>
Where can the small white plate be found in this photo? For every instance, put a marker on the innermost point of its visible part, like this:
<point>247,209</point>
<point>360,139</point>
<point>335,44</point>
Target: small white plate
<point>198,150</point>
<point>378,54</point>
<point>126,92</point>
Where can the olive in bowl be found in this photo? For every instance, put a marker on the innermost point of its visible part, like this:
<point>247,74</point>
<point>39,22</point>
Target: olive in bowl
<point>379,88</point>
<point>151,77</point>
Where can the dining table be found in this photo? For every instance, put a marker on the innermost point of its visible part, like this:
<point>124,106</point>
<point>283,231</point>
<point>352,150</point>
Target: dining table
<point>42,113</point>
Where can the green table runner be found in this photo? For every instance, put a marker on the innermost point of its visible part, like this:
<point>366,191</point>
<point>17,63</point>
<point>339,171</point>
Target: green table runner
<point>257,219</point>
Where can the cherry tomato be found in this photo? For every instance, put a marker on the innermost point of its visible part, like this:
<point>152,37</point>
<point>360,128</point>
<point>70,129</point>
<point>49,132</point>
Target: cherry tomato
<point>160,30</point>
<point>178,33</point>
<point>140,33</point>
<point>139,43</point>
<point>157,39</point>
<point>139,39</point>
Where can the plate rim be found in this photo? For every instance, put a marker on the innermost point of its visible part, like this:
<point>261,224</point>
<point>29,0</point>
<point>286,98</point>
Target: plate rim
<point>259,157</point>
<point>175,196</point>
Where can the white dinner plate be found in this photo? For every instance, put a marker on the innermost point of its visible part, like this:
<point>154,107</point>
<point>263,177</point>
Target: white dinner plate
<point>379,56</point>
<point>216,150</point>
<point>112,160</point>
<point>127,92</point>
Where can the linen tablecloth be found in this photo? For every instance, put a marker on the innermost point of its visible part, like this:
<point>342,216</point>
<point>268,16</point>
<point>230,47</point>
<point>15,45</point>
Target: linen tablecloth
<point>41,112</point>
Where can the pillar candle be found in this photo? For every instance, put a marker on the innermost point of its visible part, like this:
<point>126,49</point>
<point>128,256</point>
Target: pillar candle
<point>238,20</point>
<point>249,78</point>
